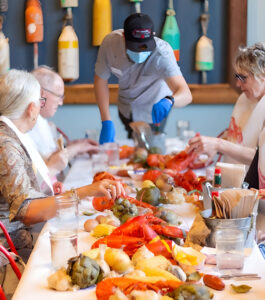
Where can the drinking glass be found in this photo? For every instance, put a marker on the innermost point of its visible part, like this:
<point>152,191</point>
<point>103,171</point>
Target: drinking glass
<point>229,249</point>
<point>63,246</point>
<point>67,206</point>
<point>187,135</point>
<point>92,134</point>
<point>99,162</point>
<point>181,126</point>
<point>112,151</point>
<point>64,229</point>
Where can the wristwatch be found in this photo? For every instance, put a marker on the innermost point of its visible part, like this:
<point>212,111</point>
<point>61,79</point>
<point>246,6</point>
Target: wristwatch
<point>171,98</point>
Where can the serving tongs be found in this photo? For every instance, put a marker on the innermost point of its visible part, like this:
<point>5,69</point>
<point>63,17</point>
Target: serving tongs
<point>142,133</point>
<point>241,276</point>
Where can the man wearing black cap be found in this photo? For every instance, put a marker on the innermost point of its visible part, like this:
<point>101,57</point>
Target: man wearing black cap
<point>150,81</point>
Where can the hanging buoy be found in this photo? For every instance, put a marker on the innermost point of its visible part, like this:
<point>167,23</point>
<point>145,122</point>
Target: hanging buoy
<point>137,5</point>
<point>33,22</point>
<point>3,5</point>
<point>204,57</point>
<point>69,3</point>
<point>4,54</point>
<point>102,20</point>
<point>170,31</point>
<point>34,26</point>
<point>204,54</point>
<point>68,54</point>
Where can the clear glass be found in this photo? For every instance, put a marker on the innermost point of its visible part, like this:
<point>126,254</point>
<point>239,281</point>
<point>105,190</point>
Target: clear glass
<point>112,151</point>
<point>229,249</point>
<point>67,205</point>
<point>181,126</point>
<point>92,134</point>
<point>187,135</point>
<point>159,140</point>
<point>63,247</point>
<point>99,162</point>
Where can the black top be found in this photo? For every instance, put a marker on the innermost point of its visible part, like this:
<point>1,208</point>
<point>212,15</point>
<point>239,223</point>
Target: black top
<point>252,177</point>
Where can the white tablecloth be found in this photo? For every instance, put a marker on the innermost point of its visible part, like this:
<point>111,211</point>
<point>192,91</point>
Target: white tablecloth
<point>33,284</point>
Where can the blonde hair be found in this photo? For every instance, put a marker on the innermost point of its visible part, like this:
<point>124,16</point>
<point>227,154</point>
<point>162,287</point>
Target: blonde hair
<point>251,60</point>
<point>17,90</point>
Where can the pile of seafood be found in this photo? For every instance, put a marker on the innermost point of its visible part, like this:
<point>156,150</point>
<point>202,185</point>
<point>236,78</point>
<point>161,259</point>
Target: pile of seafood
<point>138,251</point>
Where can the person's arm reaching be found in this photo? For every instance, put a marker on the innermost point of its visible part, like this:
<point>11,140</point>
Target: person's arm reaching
<point>102,97</point>
<point>181,96</point>
<point>211,146</point>
<point>40,210</point>
<point>180,90</point>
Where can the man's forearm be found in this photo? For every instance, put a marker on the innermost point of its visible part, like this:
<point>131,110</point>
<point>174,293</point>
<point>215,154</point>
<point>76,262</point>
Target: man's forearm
<point>102,97</point>
<point>180,90</point>
<point>240,153</point>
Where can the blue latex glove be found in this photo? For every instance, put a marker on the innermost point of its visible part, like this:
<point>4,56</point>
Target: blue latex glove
<point>107,133</point>
<point>160,110</point>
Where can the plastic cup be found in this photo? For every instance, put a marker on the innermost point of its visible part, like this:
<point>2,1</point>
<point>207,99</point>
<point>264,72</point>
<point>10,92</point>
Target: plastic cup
<point>229,249</point>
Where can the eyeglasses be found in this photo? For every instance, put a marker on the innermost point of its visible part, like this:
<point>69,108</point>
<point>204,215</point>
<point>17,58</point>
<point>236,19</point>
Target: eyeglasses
<point>51,92</point>
<point>241,77</point>
<point>42,101</point>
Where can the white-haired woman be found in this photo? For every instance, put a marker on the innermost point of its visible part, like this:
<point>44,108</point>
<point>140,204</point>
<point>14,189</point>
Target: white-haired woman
<point>248,117</point>
<point>26,193</point>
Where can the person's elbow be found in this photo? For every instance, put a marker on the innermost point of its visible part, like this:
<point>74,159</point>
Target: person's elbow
<point>188,97</point>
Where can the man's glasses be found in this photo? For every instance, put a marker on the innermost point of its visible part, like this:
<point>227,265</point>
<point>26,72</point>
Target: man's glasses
<point>42,101</point>
<point>241,77</point>
<point>54,94</point>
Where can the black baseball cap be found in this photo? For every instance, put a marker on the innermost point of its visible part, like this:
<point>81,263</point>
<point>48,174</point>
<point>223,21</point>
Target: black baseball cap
<point>139,33</point>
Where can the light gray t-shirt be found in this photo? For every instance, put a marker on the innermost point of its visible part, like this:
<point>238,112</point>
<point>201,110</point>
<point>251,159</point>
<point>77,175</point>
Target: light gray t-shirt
<point>140,85</point>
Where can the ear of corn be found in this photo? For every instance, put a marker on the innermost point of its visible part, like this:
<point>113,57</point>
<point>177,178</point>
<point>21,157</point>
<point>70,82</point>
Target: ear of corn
<point>102,230</point>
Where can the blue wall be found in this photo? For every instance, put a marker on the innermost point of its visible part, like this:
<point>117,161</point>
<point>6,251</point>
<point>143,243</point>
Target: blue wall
<point>207,119</point>
<point>187,14</point>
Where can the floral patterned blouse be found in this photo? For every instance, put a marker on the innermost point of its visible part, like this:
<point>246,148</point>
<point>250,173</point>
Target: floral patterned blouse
<point>18,183</point>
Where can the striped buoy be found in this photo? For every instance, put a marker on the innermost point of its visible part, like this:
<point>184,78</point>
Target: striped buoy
<point>3,5</point>
<point>68,54</point>
<point>170,31</point>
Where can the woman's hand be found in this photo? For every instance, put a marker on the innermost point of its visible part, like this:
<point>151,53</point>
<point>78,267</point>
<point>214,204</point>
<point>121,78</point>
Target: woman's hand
<point>57,161</point>
<point>109,188</point>
<point>204,145</point>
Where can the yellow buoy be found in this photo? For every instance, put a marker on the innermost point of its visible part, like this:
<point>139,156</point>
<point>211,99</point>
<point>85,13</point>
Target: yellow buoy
<point>102,20</point>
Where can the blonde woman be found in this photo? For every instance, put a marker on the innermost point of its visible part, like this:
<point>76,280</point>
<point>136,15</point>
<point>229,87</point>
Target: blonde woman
<point>248,117</point>
<point>26,193</point>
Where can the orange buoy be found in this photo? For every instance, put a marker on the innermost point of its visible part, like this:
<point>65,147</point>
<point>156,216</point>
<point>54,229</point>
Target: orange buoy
<point>33,21</point>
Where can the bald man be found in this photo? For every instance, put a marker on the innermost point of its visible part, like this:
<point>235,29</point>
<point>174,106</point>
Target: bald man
<point>44,133</point>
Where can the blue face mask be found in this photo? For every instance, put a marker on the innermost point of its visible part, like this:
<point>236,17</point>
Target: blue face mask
<point>138,57</point>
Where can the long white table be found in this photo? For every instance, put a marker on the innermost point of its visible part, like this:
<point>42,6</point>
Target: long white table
<point>33,284</point>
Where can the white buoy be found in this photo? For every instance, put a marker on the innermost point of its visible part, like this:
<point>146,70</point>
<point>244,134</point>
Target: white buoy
<point>68,54</point>
<point>4,54</point>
